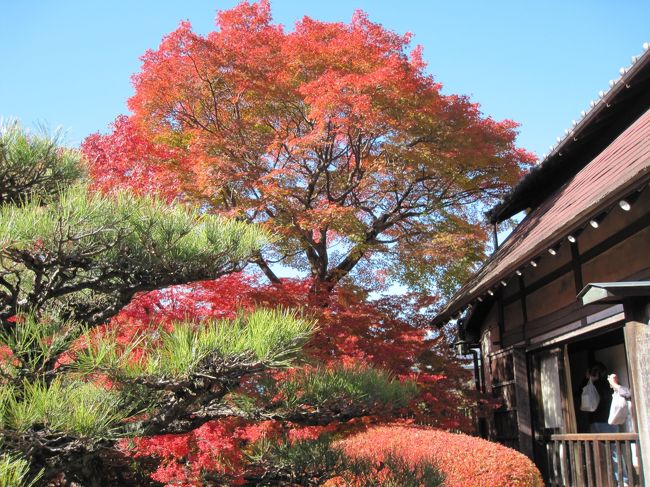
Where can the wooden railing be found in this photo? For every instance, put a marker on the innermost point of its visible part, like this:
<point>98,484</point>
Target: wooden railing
<point>600,459</point>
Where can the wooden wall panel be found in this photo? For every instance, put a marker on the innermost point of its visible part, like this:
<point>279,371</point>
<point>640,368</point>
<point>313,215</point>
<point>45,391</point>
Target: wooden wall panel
<point>552,297</point>
<point>512,288</point>
<point>620,261</point>
<point>513,329</point>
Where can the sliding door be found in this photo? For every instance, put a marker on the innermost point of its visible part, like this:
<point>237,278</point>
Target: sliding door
<point>551,397</point>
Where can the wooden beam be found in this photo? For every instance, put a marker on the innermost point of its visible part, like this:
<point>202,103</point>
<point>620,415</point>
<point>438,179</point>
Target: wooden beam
<point>522,393</point>
<point>577,266</point>
<point>500,316</point>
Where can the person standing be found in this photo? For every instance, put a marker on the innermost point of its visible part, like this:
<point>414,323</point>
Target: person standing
<point>618,413</point>
<point>598,418</point>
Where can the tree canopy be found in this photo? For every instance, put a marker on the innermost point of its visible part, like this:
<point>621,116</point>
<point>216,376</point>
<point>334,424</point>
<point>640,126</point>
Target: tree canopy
<point>334,135</point>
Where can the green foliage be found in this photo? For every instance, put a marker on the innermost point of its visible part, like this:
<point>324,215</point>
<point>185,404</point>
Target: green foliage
<point>7,395</point>
<point>75,408</point>
<point>303,462</point>
<point>90,252</point>
<point>36,343</point>
<point>14,472</point>
<point>455,250</point>
<point>272,337</point>
<point>139,230</point>
<point>361,386</point>
<point>34,164</point>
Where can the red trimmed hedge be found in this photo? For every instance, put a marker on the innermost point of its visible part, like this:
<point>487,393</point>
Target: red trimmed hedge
<point>466,461</point>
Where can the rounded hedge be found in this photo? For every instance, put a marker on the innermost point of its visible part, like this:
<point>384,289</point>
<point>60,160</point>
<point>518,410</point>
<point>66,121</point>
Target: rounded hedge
<point>463,460</point>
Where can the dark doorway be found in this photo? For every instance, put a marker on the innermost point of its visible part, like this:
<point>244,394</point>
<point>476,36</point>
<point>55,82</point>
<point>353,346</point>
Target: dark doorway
<point>607,348</point>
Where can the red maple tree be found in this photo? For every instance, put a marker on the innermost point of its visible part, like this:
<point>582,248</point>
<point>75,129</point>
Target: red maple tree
<point>333,135</point>
<point>336,138</point>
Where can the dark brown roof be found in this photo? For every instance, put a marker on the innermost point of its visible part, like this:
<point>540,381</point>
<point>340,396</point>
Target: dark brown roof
<point>617,170</point>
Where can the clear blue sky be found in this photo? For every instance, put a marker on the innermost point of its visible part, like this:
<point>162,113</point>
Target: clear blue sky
<point>69,63</point>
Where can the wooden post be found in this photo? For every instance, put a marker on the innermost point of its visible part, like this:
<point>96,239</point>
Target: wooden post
<point>577,266</point>
<point>500,316</point>
<point>522,392</point>
<point>637,344</point>
<point>524,310</point>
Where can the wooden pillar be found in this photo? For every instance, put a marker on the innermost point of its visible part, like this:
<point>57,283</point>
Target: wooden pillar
<point>637,344</point>
<point>524,309</point>
<point>522,393</point>
<point>500,316</point>
<point>577,266</point>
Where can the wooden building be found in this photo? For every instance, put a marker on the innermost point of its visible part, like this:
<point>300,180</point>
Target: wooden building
<point>569,287</point>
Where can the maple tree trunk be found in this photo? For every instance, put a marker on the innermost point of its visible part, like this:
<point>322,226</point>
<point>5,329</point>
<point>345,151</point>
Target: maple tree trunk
<point>343,269</point>
<point>268,272</point>
<point>320,291</point>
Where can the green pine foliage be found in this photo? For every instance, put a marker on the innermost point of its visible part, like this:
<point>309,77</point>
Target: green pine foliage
<point>70,259</point>
<point>76,408</point>
<point>358,387</point>
<point>34,164</point>
<point>90,252</point>
<point>15,472</point>
<point>265,336</point>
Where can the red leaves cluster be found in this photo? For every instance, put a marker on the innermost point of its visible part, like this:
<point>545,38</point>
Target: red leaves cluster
<point>464,460</point>
<point>127,159</point>
<point>214,447</point>
<point>388,333</point>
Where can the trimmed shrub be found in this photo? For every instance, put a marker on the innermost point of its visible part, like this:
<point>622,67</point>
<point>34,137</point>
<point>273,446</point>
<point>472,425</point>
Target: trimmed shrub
<point>465,461</point>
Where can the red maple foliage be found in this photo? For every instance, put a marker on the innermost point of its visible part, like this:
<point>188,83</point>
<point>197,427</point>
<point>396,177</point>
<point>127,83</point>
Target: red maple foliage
<point>387,333</point>
<point>126,158</point>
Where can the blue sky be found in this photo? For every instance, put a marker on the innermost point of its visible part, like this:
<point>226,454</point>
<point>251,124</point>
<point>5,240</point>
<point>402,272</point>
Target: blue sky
<point>69,63</point>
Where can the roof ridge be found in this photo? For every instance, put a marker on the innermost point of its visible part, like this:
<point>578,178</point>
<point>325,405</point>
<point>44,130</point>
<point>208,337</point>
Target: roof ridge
<point>595,106</point>
<point>594,103</point>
